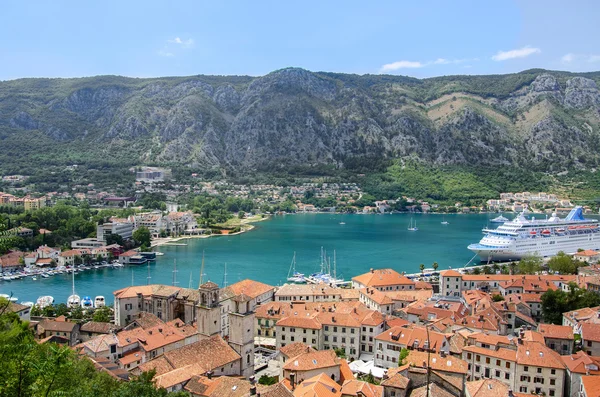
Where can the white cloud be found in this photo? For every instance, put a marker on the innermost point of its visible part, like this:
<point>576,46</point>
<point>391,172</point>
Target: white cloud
<point>441,61</point>
<point>567,58</point>
<point>518,53</point>
<point>189,43</point>
<point>390,67</point>
<point>165,53</point>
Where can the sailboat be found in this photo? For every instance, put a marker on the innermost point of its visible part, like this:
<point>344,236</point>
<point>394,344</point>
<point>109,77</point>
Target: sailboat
<point>293,275</point>
<point>444,222</point>
<point>412,227</point>
<point>74,300</point>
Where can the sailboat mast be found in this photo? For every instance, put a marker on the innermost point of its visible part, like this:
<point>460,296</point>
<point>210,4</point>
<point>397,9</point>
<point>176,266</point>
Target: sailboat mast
<point>148,277</point>
<point>201,270</point>
<point>190,284</point>
<point>131,281</point>
<point>334,268</point>
<point>73,272</point>
<point>225,276</point>
<point>175,273</point>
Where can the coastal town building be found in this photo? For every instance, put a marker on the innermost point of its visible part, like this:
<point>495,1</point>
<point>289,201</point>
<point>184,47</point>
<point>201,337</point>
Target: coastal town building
<point>383,280</point>
<point>119,227</point>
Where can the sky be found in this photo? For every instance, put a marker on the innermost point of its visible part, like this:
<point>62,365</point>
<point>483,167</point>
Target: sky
<point>422,38</point>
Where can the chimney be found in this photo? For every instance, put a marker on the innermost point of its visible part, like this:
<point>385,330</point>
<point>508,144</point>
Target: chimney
<point>209,374</point>
<point>253,390</point>
<point>510,393</point>
<point>293,380</point>
<point>372,271</point>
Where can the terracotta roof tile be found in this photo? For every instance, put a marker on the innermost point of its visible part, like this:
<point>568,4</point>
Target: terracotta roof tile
<point>318,386</point>
<point>590,332</point>
<point>382,278</point>
<point>591,384</point>
<point>582,363</point>
<point>556,331</point>
<point>487,388</point>
<point>295,349</point>
<point>312,360</point>
<point>353,387</point>
<point>537,354</point>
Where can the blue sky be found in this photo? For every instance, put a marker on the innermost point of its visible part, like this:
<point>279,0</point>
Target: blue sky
<point>416,38</point>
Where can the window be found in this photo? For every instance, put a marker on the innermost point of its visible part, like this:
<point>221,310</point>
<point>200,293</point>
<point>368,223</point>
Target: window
<point>283,328</point>
<point>477,368</point>
<point>282,337</point>
<point>258,332</point>
<point>551,392</point>
<point>304,331</point>
<point>553,372</point>
<point>497,374</point>
<point>487,360</point>
<point>539,370</point>
<point>506,376</point>
<point>371,330</point>
<point>343,330</point>
<point>351,330</point>
<point>468,356</point>
<point>478,358</point>
<point>498,363</point>
<point>335,338</point>
<point>507,364</point>
<point>526,369</point>
<point>326,338</point>
<point>292,338</point>
<point>552,382</point>
<point>327,328</point>
<point>314,341</point>
<point>523,389</point>
<point>334,329</point>
<point>128,306</point>
<point>589,343</point>
<point>303,340</point>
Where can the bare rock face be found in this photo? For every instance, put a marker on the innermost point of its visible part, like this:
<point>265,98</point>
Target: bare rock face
<point>227,98</point>
<point>24,121</point>
<point>544,86</point>
<point>581,93</point>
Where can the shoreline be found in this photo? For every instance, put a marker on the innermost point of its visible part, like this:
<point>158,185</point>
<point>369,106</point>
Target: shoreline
<point>245,227</point>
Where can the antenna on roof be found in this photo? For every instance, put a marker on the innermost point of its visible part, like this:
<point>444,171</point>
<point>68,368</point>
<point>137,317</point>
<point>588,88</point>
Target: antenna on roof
<point>175,273</point>
<point>201,270</point>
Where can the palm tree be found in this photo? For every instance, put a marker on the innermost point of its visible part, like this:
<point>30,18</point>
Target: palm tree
<point>435,266</point>
<point>422,267</point>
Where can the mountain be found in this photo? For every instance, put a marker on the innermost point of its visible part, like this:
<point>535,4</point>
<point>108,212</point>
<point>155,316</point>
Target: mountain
<point>536,119</point>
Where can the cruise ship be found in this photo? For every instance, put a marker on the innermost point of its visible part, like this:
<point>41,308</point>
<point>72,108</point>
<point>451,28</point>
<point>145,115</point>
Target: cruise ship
<point>545,237</point>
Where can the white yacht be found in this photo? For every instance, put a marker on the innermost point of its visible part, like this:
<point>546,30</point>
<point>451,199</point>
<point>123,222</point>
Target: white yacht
<point>499,219</point>
<point>99,301</point>
<point>293,275</point>
<point>87,303</point>
<point>545,237</point>
<point>44,301</point>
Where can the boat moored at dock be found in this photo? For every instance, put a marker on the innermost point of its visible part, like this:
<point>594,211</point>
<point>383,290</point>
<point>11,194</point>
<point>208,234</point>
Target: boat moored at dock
<point>544,237</point>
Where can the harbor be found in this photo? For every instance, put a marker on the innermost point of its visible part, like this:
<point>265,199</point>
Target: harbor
<point>265,254</point>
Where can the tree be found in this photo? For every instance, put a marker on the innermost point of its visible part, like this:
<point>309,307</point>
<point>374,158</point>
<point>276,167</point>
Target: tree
<point>267,380</point>
<point>435,266</point>
<point>403,354</point>
<point>102,315</point>
<point>555,303</point>
<point>562,263</point>
<point>497,298</point>
<point>142,236</point>
<point>340,352</point>
<point>114,239</point>
<point>422,268</point>
<point>530,264</point>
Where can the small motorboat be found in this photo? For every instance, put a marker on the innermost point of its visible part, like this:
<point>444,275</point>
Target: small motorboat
<point>499,219</point>
<point>87,302</point>
<point>44,301</point>
<point>99,301</point>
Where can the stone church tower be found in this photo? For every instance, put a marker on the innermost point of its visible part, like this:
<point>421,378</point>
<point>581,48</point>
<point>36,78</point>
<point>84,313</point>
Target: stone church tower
<point>208,310</point>
<point>241,332</point>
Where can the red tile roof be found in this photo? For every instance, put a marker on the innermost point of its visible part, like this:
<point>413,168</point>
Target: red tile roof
<point>556,331</point>
<point>382,278</point>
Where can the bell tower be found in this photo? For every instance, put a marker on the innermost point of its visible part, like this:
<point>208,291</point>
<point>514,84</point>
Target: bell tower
<point>241,332</point>
<point>209,310</point>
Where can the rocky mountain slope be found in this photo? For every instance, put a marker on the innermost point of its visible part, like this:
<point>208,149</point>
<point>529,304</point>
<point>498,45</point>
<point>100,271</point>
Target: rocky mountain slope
<point>536,119</point>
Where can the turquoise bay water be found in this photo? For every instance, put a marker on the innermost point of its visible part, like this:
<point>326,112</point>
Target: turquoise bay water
<point>265,253</point>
